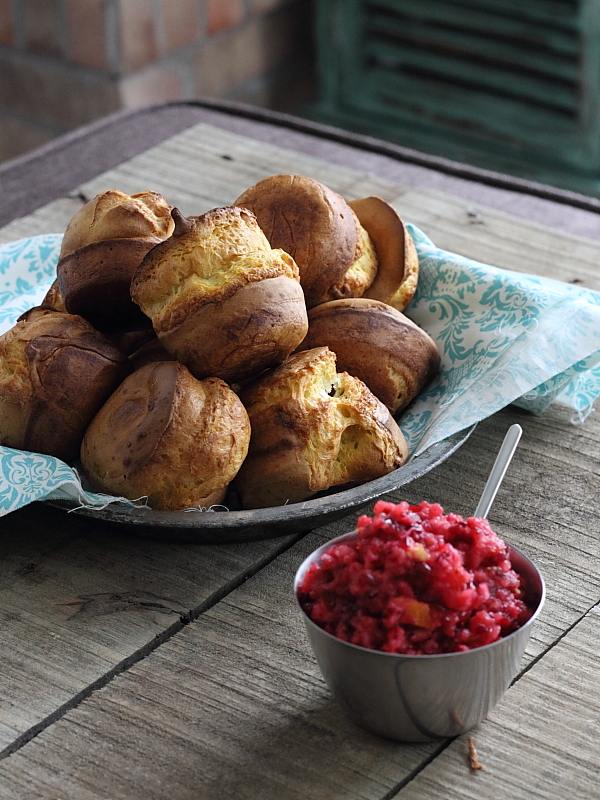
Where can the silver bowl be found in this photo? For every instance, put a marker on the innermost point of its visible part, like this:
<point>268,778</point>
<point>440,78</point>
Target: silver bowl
<point>420,698</point>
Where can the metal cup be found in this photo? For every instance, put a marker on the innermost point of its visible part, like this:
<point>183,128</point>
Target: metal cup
<point>420,698</point>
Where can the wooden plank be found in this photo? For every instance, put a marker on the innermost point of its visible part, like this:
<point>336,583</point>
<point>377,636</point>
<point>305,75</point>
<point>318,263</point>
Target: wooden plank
<point>77,598</point>
<point>198,169</point>
<point>498,238</point>
<point>501,84</point>
<point>127,593</point>
<point>541,742</point>
<point>491,17</point>
<point>474,44</point>
<point>424,136</point>
<point>403,85</point>
<point>205,166</point>
<point>51,218</point>
<point>233,705</point>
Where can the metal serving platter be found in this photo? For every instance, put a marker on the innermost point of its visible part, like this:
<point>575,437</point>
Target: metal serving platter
<point>263,523</point>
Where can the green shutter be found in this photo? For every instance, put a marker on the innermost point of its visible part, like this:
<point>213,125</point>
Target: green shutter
<point>513,85</point>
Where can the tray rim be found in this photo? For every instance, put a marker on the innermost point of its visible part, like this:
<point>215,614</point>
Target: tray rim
<point>337,502</point>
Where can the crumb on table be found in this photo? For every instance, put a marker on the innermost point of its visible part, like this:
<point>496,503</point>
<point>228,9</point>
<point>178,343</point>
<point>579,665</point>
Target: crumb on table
<point>474,762</point>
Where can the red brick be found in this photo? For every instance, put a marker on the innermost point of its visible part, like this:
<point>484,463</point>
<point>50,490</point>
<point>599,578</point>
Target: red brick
<point>223,14</point>
<point>6,22</point>
<point>153,85</point>
<point>86,32</point>
<point>137,28</point>
<point>42,26</point>
<point>248,52</point>
<point>17,136</point>
<point>180,22</point>
<point>264,6</point>
<point>55,95</point>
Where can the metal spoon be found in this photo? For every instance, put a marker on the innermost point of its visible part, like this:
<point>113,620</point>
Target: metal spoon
<point>496,476</point>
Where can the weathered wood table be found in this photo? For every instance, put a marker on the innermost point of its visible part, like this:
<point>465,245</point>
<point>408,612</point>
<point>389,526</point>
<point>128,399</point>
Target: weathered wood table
<point>137,668</point>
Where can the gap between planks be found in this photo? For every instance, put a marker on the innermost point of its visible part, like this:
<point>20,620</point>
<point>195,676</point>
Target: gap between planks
<point>446,743</point>
<point>142,652</point>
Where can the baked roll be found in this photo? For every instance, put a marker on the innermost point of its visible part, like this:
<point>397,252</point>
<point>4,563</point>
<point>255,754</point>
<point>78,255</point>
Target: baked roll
<point>169,437</point>
<point>117,215</point>
<point>397,260</point>
<point>53,299</point>
<point>103,245</point>
<point>55,373</point>
<point>149,351</point>
<point>220,298</point>
<point>319,230</point>
<point>379,345</point>
<point>313,429</point>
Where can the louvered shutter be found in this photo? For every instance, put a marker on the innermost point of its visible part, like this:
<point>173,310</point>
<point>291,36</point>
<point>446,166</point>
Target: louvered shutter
<point>509,84</point>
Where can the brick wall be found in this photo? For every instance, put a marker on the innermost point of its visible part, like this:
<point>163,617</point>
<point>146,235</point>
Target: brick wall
<point>65,62</point>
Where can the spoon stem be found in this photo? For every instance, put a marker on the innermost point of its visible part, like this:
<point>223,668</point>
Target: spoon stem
<point>503,459</point>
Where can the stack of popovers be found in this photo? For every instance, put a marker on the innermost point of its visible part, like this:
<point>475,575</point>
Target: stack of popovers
<point>226,294</point>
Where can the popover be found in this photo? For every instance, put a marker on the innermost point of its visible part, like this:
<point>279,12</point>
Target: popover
<point>318,228</point>
<point>221,300</point>
<point>397,260</point>
<point>166,436</point>
<point>53,299</point>
<point>55,373</point>
<point>117,215</point>
<point>379,345</point>
<point>313,429</point>
<point>103,245</point>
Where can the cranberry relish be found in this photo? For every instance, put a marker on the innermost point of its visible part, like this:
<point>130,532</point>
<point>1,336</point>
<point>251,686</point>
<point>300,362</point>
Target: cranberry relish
<point>416,581</point>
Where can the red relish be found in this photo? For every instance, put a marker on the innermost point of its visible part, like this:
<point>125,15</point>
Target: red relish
<point>416,581</point>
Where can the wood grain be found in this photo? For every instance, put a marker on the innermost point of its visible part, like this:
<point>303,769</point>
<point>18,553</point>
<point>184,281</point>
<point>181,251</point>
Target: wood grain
<point>234,700</point>
<point>233,706</point>
<point>541,742</point>
<point>206,166</point>
<point>76,599</point>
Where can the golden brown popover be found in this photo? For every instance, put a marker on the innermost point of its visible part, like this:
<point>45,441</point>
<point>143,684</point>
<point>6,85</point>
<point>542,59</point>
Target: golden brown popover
<point>166,436</point>
<point>318,228</point>
<point>55,373</point>
<point>398,263</point>
<point>117,215</point>
<point>379,345</point>
<point>53,299</point>
<point>220,298</point>
<point>103,245</point>
<point>313,429</point>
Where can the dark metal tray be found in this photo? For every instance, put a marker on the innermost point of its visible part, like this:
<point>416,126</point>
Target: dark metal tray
<point>263,523</point>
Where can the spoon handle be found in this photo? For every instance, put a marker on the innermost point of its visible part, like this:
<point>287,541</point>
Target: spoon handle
<point>503,459</point>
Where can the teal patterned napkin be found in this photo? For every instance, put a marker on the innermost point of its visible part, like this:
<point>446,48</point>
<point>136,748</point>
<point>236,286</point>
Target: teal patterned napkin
<point>505,337</point>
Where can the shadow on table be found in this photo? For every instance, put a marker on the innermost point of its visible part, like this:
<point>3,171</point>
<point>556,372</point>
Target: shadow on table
<point>316,752</point>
